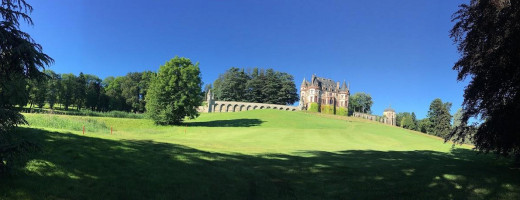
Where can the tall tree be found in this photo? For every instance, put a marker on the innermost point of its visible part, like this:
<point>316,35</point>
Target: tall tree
<point>457,118</point>
<point>231,86</point>
<point>53,87</point>
<point>67,90</point>
<point>488,37</point>
<point>255,86</point>
<point>114,93</point>
<point>175,93</point>
<point>144,84</point>
<point>93,91</point>
<point>440,118</point>
<point>271,87</point>
<point>80,91</point>
<point>21,59</point>
<point>37,92</point>
<point>131,91</point>
<point>287,93</point>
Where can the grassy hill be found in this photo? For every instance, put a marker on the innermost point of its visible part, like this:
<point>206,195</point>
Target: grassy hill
<point>260,154</point>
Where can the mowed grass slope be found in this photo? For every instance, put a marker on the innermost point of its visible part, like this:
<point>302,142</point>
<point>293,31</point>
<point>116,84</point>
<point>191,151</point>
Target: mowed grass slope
<point>260,154</point>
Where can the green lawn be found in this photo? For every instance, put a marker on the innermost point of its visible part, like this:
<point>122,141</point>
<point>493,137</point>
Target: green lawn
<point>260,154</point>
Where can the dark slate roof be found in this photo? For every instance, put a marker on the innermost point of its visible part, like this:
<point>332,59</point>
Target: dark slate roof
<point>389,109</point>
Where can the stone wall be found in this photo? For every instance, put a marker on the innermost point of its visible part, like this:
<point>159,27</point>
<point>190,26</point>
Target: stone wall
<point>233,106</point>
<point>381,119</point>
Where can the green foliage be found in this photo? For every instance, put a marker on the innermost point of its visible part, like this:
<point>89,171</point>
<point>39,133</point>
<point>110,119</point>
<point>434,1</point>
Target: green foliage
<point>175,93</point>
<point>327,109</point>
<point>341,111</point>
<point>406,120</point>
<point>53,87</point>
<point>360,102</point>
<point>457,118</point>
<point>67,90</point>
<point>258,86</point>
<point>423,125</point>
<point>314,107</point>
<point>487,34</point>
<point>37,92</point>
<point>440,118</point>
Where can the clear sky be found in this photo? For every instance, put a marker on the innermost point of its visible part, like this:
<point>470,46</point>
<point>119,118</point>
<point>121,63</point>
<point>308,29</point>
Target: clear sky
<point>397,51</point>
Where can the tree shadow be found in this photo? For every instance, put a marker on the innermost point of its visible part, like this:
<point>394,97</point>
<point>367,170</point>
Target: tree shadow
<point>228,123</point>
<point>78,167</point>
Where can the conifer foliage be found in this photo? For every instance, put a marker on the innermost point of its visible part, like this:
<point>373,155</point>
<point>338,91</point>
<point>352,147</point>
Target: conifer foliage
<point>258,86</point>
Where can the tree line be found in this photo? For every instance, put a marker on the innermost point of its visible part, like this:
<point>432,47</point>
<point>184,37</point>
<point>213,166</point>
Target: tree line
<point>122,93</point>
<point>438,122</point>
<point>255,85</point>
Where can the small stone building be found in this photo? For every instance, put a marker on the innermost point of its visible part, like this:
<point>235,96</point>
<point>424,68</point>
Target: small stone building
<point>390,116</point>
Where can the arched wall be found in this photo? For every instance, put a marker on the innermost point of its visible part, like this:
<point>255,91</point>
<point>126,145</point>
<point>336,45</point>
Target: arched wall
<point>231,106</point>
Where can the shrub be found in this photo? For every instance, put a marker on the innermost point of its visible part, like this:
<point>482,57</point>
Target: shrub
<point>314,107</point>
<point>327,109</point>
<point>341,111</point>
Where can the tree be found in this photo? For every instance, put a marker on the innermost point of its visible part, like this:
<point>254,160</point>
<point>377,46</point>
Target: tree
<point>406,120</point>
<point>457,118</point>
<point>175,93</point>
<point>114,93</point>
<point>360,102</point>
<point>80,91</point>
<point>415,123</point>
<point>440,118</point>
<point>53,87</point>
<point>231,86</point>
<point>488,35</point>
<point>37,92</point>
<point>144,84</point>
<point>67,90</point>
<point>260,87</point>
<point>423,124</point>
<point>21,59</point>
<point>288,93</point>
<point>255,86</point>
<point>131,91</point>
<point>93,92</point>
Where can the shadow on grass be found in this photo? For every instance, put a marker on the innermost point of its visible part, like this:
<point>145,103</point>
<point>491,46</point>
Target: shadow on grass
<point>228,123</point>
<point>76,167</point>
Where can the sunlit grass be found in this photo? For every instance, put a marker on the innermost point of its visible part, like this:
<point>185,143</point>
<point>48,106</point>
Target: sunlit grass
<point>261,154</point>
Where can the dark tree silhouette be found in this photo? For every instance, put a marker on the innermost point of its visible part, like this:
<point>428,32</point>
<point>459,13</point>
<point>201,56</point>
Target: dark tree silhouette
<point>488,38</point>
<point>21,59</point>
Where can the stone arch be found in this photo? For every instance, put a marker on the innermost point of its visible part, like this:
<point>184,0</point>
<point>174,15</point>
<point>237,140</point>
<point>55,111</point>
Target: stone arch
<point>248,107</point>
<point>268,107</point>
<point>275,108</point>
<point>242,107</point>
<point>235,108</point>
<point>221,106</point>
<point>293,109</point>
<point>255,107</point>
<point>281,108</point>
<point>287,109</point>
<point>228,108</point>
<point>261,107</point>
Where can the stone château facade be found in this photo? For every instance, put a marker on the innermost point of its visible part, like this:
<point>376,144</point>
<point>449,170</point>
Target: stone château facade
<point>323,91</point>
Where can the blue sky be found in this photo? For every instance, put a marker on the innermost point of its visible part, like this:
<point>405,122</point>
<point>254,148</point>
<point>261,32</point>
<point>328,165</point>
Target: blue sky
<point>397,51</point>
